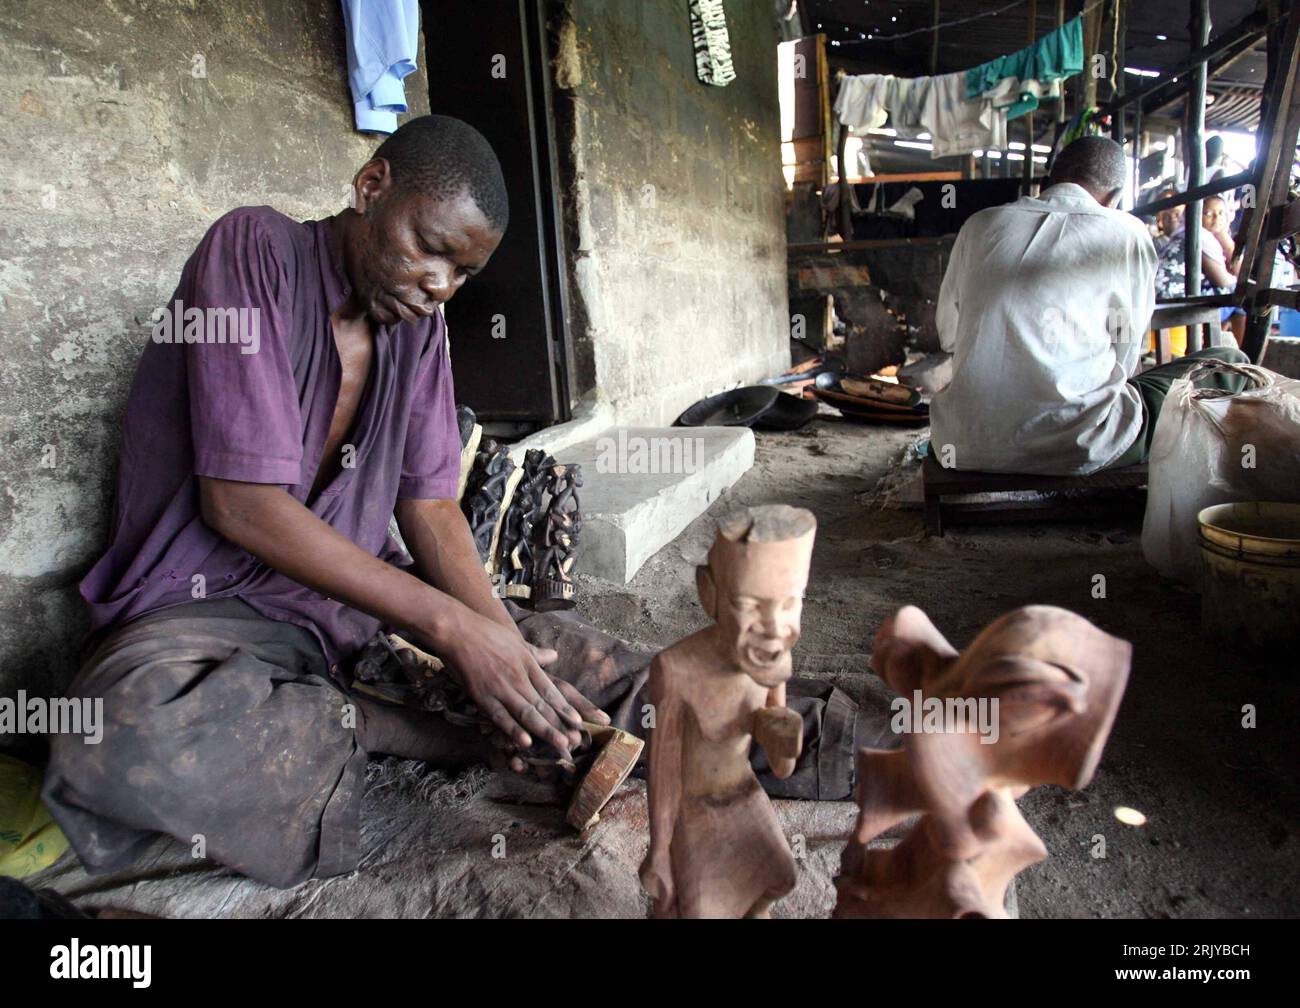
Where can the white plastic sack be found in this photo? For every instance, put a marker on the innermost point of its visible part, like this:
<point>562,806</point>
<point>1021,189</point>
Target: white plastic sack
<point>1214,448</point>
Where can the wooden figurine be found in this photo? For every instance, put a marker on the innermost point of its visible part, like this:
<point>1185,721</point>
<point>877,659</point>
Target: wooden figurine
<point>1031,701</point>
<point>518,556</point>
<point>488,490</point>
<point>555,587</point>
<point>716,847</point>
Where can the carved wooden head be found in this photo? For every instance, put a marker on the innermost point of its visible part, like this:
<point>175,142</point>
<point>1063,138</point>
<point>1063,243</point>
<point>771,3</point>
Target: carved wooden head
<point>753,585</point>
<point>1057,680</point>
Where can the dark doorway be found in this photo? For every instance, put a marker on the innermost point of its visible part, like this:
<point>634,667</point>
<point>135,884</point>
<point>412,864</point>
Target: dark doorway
<point>488,63</point>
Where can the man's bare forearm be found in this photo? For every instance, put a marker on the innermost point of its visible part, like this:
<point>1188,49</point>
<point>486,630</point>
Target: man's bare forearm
<point>282,533</point>
<point>439,541</point>
<point>502,673</point>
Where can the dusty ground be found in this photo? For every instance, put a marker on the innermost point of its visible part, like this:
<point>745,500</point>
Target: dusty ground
<point>1221,800</point>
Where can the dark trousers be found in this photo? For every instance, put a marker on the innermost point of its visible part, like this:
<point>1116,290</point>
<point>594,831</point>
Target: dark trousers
<point>225,730</point>
<point>1153,385</point>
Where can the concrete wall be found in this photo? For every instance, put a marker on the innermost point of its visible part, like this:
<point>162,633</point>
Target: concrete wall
<point>114,159</point>
<point>675,205</point>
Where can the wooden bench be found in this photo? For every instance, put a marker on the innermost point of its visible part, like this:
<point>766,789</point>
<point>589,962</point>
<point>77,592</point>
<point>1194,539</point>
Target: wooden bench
<point>940,483</point>
<point>1199,320</point>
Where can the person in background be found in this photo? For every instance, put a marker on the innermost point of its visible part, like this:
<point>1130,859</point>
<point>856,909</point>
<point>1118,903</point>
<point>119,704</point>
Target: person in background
<point>1043,307</point>
<point>1216,277</point>
<point>1216,159</point>
<point>1218,273</point>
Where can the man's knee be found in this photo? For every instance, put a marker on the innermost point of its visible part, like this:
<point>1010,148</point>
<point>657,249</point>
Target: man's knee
<point>1226,354</point>
<point>96,756</point>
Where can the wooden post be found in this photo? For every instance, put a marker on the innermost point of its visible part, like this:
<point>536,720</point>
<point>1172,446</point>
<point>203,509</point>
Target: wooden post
<point>1270,171</point>
<point>1060,105</point>
<point>1029,119</point>
<point>1137,151</point>
<point>846,209</point>
<point>934,38</point>
<point>1194,149</point>
<point>1117,57</point>
<point>1091,38</point>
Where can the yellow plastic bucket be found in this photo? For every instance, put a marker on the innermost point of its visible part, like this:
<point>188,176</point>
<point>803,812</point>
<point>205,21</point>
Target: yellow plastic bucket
<point>1250,594</point>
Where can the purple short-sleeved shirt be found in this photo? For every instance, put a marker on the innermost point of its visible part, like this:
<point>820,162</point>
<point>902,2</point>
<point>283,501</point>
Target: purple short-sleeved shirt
<point>250,398</point>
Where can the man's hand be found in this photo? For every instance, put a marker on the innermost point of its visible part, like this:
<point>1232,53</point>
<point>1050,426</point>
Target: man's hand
<point>481,644</point>
<point>504,676</point>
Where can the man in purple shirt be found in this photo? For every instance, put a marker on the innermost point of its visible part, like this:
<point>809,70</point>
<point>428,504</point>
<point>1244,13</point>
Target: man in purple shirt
<point>297,394</point>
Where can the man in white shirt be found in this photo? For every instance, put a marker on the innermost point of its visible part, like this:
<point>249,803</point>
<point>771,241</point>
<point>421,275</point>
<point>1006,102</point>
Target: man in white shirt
<point>1044,306</point>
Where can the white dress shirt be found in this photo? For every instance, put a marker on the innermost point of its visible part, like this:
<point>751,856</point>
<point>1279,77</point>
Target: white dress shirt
<point>1045,304</point>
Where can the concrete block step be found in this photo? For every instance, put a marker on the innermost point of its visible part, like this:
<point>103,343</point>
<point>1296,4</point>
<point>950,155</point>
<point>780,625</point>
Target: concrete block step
<point>643,485</point>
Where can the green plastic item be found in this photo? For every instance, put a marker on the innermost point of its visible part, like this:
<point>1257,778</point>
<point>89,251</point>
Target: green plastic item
<point>30,840</point>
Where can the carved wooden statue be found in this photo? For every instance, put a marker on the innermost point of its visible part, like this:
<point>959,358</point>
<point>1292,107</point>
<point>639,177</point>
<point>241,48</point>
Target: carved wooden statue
<point>716,847</point>
<point>490,484</point>
<point>555,588</point>
<point>1030,702</point>
<point>518,555</point>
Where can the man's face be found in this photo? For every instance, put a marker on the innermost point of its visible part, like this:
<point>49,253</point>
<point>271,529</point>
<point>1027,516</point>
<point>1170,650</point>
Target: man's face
<point>412,252</point>
<point>759,613</point>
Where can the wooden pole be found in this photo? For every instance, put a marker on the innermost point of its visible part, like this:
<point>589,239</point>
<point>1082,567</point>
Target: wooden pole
<point>1117,57</point>
<point>846,210</point>
<point>934,38</point>
<point>1091,38</point>
<point>1060,106</point>
<point>1137,153</point>
<point>1029,119</point>
<point>1194,149</point>
<point>1270,158</point>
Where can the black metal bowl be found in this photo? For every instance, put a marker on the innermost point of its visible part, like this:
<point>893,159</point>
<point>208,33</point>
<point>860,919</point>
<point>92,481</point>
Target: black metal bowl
<point>759,406</point>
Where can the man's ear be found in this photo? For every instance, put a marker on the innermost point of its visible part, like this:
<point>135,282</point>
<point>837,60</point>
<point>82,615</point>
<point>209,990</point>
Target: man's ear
<point>708,590</point>
<point>370,184</point>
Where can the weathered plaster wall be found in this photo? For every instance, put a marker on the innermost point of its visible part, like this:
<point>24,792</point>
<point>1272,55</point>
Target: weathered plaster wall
<point>675,205</point>
<point>114,159</point>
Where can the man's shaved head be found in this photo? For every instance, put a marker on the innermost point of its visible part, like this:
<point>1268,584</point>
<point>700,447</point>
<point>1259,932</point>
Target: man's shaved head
<point>443,157</point>
<point>1094,162</point>
<point>428,211</point>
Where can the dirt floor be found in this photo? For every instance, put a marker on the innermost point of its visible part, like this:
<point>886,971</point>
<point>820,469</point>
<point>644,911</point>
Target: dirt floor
<point>1221,801</point>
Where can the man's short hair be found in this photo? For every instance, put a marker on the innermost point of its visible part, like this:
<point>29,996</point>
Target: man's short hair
<point>443,157</point>
<point>1094,162</point>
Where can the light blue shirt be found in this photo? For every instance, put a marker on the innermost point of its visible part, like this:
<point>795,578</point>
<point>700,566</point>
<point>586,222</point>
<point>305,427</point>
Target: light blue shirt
<point>383,38</point>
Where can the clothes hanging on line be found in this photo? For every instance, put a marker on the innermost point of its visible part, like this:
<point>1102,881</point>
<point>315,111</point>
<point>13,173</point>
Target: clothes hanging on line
<point>863,101</point>
<point>958,126</point>
<point>1019,81</point>
<point>908,103</point>
<point>916,106</point>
